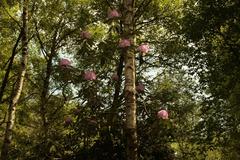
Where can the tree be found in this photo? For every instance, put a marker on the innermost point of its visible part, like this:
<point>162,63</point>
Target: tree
<point>19,85</point>
<point>10,34</point>
<point>130,73</point>
<point>212,27</point>
<point>100,71</point>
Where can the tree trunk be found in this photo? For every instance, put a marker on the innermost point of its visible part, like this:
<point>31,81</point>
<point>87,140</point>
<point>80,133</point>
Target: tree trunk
<point>9,67</point>
<point>19,85</point>
<point>44,99</point>
<point>116,99</point>
<point>44,95</point>
<point>130,88</point>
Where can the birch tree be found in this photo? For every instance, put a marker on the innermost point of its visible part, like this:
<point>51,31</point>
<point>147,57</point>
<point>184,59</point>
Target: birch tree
<point>19,85</point>
<point>130,88</point>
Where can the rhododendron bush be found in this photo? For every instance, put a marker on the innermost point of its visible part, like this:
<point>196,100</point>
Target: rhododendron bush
<point>115,77</point>
<point>90,75</point>
<point>163,114</point>
<point>113,14</point>
<point>85,35</point>
<point>143,49</point>
<point>140,88</point>
<point>68,121</point>
<point>64,63</point>
<point>123,43</point>
<point>86,58</point>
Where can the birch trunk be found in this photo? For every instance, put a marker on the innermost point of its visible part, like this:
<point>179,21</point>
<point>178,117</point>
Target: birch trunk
<point>130,91</point>
<point>19,85</point>
<point>9,67</point>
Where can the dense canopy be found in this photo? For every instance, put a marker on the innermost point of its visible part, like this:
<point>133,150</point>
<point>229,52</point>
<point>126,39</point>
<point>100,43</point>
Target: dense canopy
<point>120,79</point>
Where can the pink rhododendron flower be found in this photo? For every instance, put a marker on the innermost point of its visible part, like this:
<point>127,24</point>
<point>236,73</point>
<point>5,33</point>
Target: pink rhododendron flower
<point>113,14</point>
<point>123,43</point>
<point>64,63</point>
<point>115,77</point>
<point>140,88</point>
<point>90,75</point>
<point>85,35</point>
<point>76,111</point>
<point>162,114</point>
<point>143,48</point>
<point>68,120</point>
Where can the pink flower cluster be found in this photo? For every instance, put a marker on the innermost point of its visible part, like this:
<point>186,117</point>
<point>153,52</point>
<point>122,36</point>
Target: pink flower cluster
<point>162,114</point>
<point>76,111</point>
<point>68,121</point>
<point>64,63</point>
<point>140,88</point>
<point>123,43</point>
<point>113,14</point>
<point>85,35</point>
<point>143,48</point>
<point>115,77</point>
<point>90,75</point>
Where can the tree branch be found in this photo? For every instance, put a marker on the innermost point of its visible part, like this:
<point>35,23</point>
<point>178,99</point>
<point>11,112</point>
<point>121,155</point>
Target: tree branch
<point>6,76</point>
<point>10,15</point>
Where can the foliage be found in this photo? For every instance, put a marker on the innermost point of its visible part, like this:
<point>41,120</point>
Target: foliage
<point>191,70</point>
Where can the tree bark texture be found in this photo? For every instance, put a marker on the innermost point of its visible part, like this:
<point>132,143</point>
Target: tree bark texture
<point>19,85</point>
<point>130,88</point>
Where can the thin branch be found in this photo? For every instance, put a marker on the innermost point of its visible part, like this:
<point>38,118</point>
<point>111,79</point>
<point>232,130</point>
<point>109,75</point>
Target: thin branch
<point>54,40</point>
<point>148,22</point>
<point>63,37</point>
<point>31,81</point>
<point>27,98</point>
<point>141,9</point>
<point>146,111</point>
<point>14,49</point>
<point>109,4</point>
<point>10,15</point>
<point>3,121</point>
<point>6,76</point>
<point>40,41</point>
